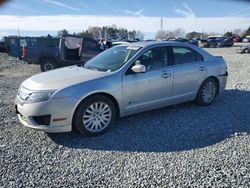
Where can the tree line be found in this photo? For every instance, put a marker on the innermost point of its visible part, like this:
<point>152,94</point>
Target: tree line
<point>180,33</point>
<point>107,33</point>
<point>115,33</point>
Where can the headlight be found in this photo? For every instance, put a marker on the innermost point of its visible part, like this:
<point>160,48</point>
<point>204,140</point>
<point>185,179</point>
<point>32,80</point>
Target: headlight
<point>39,96</point>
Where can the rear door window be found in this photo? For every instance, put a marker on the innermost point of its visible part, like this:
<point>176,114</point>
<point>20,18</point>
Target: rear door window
<point>184,55</point>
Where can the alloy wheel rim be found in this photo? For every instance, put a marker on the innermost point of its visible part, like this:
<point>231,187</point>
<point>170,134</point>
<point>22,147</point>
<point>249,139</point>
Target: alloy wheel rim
<point>97,117</point>
<point>209,92</point>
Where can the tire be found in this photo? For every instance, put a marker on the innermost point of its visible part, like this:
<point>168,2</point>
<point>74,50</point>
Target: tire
<point>207,92</point>
<point>94,116</point>
<point>213,45</point>
<point>47,65</point>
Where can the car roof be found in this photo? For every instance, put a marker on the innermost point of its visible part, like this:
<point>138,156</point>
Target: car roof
<point>120,42</point>
<point>152,44</point>
<point>156,43</point>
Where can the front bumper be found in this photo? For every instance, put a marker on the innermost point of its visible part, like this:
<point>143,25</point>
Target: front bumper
<point>60,110</point>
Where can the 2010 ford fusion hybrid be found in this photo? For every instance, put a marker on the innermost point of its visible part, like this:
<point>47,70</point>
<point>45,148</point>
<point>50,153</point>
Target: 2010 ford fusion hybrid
<point>124,80</point>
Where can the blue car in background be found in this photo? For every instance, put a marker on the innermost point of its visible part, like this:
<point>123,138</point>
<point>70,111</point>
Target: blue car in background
<point>219,42</point>
<point>225,42</point>
<point>184,40</point>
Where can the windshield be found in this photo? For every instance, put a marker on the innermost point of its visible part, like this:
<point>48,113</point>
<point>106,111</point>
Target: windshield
<point>112,59</point>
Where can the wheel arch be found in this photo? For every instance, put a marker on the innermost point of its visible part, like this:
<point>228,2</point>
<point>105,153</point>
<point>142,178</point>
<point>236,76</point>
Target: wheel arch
<point>47,57</point>
<point>198,97</point>
<point>111,97</point>
<point>217,83</point>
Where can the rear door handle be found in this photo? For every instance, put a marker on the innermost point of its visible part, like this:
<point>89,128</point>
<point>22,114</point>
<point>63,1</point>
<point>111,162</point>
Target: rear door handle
<point>202,68</point>
<point>166,75</point>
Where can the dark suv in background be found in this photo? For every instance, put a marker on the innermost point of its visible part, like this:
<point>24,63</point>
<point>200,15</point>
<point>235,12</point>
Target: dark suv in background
<point>2,46</point>
<point>69,50</point>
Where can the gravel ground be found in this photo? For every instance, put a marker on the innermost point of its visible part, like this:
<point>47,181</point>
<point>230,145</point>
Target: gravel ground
<point>179,146</point>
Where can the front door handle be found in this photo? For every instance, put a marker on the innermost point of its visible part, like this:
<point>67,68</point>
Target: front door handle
<point>202,68</point>
<point>166,75</point>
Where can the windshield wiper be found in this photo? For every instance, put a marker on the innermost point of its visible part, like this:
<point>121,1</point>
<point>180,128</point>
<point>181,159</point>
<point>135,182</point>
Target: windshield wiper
<point>95,69</point>
<point>91,68</point>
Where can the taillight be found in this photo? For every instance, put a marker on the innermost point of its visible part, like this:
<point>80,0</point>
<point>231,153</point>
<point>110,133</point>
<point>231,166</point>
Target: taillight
<point>24,51</point>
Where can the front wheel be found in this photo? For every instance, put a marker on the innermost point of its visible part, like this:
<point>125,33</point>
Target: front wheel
<point>95,115</point>
<point>207,92</point>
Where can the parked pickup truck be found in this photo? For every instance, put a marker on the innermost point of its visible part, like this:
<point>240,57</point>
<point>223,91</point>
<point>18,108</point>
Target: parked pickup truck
<point>71,50</point>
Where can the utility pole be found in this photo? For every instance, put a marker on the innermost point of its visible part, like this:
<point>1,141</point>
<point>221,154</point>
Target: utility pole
<point>161,28</point>
<point>18,32</point>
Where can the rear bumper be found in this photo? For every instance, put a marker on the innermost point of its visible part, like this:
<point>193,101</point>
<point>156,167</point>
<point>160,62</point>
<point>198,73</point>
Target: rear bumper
<point>222,81</point>
<point>29,61</point>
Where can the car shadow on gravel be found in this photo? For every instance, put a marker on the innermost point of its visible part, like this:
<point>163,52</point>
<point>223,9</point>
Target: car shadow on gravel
<point>176,128</point>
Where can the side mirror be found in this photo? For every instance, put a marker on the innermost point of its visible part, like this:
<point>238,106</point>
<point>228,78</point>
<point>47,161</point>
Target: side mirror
<point>138,68</point>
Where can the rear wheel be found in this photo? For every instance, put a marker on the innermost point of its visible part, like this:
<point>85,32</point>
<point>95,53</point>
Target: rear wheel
<point>207,92</point>
<point>94,115</point>
<point>47,65</point>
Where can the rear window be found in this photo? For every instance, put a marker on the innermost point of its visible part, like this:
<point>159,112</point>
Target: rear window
<point>23,42</point>
<point>184,55</point>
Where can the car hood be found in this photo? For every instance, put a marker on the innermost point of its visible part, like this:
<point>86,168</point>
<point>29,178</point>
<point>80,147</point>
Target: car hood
<point>61,78</point>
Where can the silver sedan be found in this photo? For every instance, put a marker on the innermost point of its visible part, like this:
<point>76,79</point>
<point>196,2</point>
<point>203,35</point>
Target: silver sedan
<point>121,81</point>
